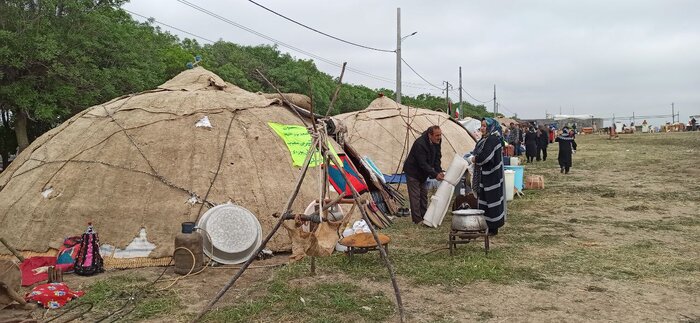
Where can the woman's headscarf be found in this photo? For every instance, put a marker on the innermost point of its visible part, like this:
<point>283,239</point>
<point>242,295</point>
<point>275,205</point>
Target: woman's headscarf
<point>493,128</point>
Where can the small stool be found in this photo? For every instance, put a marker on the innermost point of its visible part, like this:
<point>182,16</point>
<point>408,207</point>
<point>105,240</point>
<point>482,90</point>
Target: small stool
<point>461,236</point>
<point>364,242</point>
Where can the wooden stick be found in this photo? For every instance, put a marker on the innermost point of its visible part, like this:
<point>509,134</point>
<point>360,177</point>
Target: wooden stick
<point>337,89</point>
<point>287,207</point>
<point>12,250</point>
<point>382,251</point>
<point>305,217</point>
<point>291,106</point>
<point>313,266</point>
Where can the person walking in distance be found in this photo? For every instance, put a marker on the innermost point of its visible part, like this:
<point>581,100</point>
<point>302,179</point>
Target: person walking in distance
<point>542,142</point>
<point>514,138</point>
<point>423,162</point>
<point>567,146</point>
<point>531,144</point>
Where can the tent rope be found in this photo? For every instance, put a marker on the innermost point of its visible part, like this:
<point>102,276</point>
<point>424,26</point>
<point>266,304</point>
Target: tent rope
<point>218,167</point>
<point>166,182</point>
<point>76,155</point>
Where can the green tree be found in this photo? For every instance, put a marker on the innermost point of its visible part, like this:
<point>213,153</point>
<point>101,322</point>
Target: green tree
<point>61,56</point>
<point>8,140</point>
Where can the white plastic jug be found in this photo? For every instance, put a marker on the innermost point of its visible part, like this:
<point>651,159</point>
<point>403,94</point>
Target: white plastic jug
<point>510,184</point>
<point>438,205</point>
<point>456,169</point>
<point>514,161</point>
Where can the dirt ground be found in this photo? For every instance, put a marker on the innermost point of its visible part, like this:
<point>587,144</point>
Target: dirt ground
<point>618,240</point>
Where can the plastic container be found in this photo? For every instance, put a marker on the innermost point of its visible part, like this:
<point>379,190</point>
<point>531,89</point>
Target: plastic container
<point>438,205</point>
<point>456,170</point>
<point>519,176</point>
<point>510,184</point>
<point>193,242</point>
<point>514,161</point>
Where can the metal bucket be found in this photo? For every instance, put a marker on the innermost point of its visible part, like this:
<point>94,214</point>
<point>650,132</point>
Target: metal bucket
<point>468,220</point>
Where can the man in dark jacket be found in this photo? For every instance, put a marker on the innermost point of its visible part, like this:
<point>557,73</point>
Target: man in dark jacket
<point>423,162</point>
<point>542,142</point>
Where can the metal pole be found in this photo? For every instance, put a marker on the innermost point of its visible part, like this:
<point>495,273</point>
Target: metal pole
<point>495,108</point>
<point>447,98</point>
<point>398,55</point>
<point>461,111</point>
<point>673,114</point>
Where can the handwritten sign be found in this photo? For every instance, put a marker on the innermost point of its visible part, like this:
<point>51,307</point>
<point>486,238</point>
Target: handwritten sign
<point>298,141</point>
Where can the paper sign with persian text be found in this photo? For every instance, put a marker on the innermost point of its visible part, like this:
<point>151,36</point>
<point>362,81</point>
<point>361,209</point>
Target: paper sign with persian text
<point>298,141</point>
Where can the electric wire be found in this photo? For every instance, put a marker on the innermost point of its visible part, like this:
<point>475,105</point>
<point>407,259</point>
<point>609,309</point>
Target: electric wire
<point>169,26</point>
<point>414,71</point>
<point>475,99</point>
<point>328,61</point>
<point>283,44</point>
<point>320,32</point>
<point>500,105</point>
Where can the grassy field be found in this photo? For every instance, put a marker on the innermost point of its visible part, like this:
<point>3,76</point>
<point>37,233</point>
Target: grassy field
<point>618,239</point>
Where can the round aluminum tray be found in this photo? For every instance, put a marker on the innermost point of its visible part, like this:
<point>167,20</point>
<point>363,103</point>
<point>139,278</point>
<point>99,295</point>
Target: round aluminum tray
<point>233,231</point>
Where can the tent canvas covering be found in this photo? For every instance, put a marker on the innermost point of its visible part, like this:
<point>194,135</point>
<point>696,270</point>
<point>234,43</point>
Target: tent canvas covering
<point>386,130</point>
<point>138,161</point>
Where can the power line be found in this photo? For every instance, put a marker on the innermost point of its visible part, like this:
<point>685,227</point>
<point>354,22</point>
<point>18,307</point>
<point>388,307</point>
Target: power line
<point>283,44</point>
<point>475,99</point>
<point>320,32</point>
<point>414,71</point>
<point>407,84</point>
<point>328,61</point>
<point>500,105</point>
<point>169,26</point>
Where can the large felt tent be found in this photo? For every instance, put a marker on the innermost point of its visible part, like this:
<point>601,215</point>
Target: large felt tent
<point>140,161</point>
<point>386,130</point>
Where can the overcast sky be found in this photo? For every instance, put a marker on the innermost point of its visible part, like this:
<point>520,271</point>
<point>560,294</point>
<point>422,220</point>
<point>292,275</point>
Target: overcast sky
<point>595,57</point>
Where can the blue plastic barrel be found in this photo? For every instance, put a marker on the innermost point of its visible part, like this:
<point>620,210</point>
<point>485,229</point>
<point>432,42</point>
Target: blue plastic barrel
<point>519,175</point>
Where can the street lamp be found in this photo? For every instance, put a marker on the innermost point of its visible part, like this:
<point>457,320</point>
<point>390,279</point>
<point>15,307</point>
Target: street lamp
<point>399,39</point>
<point>409,35</point>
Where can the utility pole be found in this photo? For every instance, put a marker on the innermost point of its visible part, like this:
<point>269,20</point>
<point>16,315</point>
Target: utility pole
<point>461,111</point>
<point>673,114</point>
<point>495,105</point>
<point>398,55</point>
<point>447,98</point>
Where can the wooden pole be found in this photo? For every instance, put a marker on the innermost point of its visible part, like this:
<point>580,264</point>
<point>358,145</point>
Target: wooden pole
<point>287,207</point>
<point>12,250</point>
<point>382,251</point>
<point>291,106</point>
<point>337,89</point>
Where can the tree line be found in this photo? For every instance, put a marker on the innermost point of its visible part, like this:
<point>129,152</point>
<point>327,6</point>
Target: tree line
<point>62,56</point>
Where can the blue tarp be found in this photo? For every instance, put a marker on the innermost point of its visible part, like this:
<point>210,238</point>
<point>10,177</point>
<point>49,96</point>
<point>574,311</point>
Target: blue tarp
<point>395,178</point>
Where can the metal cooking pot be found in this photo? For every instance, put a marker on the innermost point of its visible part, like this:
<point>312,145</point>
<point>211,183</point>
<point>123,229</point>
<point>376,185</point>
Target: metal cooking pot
<point>468,220</point>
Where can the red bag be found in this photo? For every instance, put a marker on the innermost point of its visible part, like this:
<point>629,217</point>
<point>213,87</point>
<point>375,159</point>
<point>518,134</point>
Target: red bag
<point>68,253</point>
